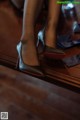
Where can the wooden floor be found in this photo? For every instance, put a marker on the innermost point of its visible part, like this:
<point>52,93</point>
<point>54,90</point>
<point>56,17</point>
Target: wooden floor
<point>29,98</point>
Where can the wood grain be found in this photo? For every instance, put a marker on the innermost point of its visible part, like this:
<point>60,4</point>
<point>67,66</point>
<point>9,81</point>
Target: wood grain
<point>25,96</point>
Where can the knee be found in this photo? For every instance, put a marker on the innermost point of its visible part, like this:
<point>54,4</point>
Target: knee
<point>18,3</point>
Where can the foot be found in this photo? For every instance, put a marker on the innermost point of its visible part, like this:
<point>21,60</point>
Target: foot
<point>54,53</point>
<point>25,65</point>
<point>29,53</point>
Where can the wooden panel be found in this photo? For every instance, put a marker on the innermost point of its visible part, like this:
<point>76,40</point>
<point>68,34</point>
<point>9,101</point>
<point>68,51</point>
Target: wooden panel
<point>10,32</point>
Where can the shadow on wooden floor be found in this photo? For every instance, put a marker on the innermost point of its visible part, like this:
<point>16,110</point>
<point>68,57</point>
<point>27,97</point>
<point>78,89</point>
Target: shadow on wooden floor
<point>23,96</point>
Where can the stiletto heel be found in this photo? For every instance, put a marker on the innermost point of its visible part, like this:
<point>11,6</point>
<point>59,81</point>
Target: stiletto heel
<point>76,27</point>
<point>41,37</point>
<point>17,64</point>
<point>40,42</point>
<point>32,70</point>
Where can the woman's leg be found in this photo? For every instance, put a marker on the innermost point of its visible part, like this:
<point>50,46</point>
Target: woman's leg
<point>20,3</point>
<point>51,26</point>
<point>31,10</point>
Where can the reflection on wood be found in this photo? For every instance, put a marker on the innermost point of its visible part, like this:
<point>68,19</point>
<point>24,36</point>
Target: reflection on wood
<point>27,97</point>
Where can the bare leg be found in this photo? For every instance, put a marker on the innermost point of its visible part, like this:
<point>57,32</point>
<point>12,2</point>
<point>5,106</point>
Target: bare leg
<point>31,10</point>
<point>53,15</point>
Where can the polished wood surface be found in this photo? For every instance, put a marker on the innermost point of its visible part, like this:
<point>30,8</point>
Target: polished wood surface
<point>10,32</point>
<point>30,98</point>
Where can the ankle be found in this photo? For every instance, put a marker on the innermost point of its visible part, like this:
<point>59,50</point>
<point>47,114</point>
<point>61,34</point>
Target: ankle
<point>50,38</point>
<point>27,38</point>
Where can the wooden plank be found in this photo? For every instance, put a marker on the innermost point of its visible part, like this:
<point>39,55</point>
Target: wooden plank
<point>39,99</point>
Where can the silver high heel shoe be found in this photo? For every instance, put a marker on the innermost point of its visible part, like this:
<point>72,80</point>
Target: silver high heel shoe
<point>32,70</point>
<point>41,37</point>
<point>40,42</point>
<point>49,52</point>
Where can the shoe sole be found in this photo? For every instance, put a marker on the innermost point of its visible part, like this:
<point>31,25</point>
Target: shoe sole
<point>54,55</point>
